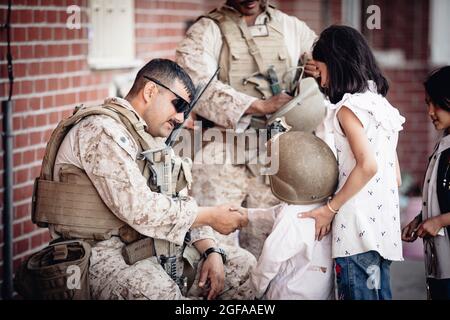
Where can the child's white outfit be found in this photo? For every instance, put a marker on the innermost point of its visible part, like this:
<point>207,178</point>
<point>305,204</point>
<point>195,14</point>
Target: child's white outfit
<point>369,220</point>
<point>292,265</point>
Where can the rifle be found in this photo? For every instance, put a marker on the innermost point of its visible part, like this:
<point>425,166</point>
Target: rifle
<point>198,93</point>
<point>166,168</point>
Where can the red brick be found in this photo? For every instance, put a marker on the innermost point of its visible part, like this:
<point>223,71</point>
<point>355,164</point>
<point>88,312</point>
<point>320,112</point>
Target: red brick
<point>21,176</point>
<point>22,211</point>
<point>35,138</point>
<point>17,230</point>
<point>46,237</point>
<point>53,84</point>
<point>46,34</point>
<point>33,34</point>
<point>26,52</point>
<point>40,153</point>
<point>20,70</point>
<point>30,122</point>
<point>21,246</point>
<point>48,101</point>
<point>41,120</point>
<point>19,34</point>
<point>52,16</point>
<point>35,103</point>
<point>40,86</point>
<point>21,140</point>
<point>36,240</point>
<point>17,123</point>
<point>26,87</point>
<point>28,226</point>
<point>22,193</point>
<point>59,34</point>
<point>28,156</point>
<point>39,16</point>
<point>17,159</point>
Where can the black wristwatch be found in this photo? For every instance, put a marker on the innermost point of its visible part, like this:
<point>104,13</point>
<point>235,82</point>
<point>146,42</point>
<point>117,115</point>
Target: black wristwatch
<point>217,250</point>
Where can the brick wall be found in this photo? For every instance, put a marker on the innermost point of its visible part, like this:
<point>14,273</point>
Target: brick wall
<point>160,25</point>
<point>407,94</point>
<point>408,20</point>
<point>404,27</point>
<point>51,75</point>
<point>308,11</point>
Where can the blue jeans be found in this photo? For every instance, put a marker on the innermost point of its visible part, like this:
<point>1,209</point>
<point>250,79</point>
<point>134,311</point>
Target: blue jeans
<point>439,288</point>
<point>364,276</point>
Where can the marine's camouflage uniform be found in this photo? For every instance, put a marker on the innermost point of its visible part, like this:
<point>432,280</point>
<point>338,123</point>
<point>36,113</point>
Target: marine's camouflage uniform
<point>198,54</point>
<point>106,151</point>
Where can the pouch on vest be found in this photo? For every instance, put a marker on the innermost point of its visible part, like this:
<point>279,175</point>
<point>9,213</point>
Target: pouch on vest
<point>57,272</point>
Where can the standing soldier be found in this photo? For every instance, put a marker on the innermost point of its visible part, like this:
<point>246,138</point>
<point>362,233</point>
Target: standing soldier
<point>257,48</point>
<point>97,186</point>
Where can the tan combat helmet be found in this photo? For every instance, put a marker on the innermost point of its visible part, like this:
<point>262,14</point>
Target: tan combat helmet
<point>306,111</point>
<point>308,170</point>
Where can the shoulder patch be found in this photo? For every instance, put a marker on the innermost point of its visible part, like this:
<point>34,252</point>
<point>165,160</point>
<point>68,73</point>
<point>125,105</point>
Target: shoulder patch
<point>120,136</point>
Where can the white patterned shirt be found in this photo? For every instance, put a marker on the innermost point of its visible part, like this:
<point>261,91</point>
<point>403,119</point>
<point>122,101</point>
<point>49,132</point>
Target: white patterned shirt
<point>370,219</point>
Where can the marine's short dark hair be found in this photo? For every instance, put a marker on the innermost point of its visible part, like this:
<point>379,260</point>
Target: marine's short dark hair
<point>350,62</point>
<point>164,70</point>
<point>437,86</point>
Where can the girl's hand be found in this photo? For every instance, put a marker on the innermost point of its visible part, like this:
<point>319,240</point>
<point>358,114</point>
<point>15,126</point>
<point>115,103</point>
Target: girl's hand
<point>323,217</point>
<point>409,232</point>
<point>429,228</point>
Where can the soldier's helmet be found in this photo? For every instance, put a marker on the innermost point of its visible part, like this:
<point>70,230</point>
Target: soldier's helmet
<point>304,112</point>
<point>308,170</point>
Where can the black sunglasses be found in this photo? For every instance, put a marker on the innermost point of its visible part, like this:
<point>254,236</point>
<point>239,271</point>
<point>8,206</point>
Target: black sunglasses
<point>181,105</point>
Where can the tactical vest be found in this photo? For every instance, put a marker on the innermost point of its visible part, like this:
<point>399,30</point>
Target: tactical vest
<point>73,209</point>
<point>72,205</point>
<point>248,52</point>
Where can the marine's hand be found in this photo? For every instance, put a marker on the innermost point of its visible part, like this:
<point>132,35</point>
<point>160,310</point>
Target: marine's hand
<point>227,218</point>
<point>262,107</point>
<point>213,274</point>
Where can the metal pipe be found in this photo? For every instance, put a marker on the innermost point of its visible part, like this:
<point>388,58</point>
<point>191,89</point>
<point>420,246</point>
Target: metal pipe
<point>7,288</point>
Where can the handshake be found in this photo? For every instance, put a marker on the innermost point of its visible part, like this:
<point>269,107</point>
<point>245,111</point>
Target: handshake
<point>224,219</point>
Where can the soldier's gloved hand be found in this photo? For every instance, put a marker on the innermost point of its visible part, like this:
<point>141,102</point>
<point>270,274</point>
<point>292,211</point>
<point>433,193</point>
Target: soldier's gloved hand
<point>227,219</point>
<point>262,107</point>
<point>212,276</point>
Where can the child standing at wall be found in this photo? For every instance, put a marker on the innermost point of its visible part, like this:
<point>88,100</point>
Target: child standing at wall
<point>432,224</point>
<point>366,235</point>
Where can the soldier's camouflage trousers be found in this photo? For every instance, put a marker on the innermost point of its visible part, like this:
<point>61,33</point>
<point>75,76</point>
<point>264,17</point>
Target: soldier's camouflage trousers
<point>111,278</point>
